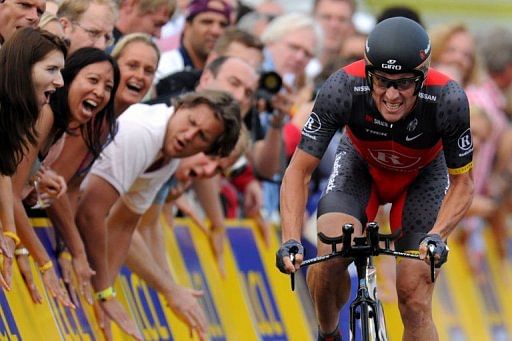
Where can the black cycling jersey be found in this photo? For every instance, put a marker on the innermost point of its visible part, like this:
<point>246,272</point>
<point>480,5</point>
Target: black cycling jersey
<point>404,163</point>
<point>439,121</point>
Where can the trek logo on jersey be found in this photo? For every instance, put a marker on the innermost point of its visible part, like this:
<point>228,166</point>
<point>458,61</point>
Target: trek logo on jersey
<point>391,65</point>
<point>393,160</point>
<point>465,143</point>
<point>312,125</point>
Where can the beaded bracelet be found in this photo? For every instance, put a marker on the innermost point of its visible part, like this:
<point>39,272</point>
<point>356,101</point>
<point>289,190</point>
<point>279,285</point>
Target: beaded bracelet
<point>21,251</point>
<point>45,267</point>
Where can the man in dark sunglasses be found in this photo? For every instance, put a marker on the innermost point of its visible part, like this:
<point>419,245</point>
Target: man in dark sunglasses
<point>407,142</point>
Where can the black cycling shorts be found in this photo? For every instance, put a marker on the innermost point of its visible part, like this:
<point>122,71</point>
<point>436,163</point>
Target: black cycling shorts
<point>415,196</point>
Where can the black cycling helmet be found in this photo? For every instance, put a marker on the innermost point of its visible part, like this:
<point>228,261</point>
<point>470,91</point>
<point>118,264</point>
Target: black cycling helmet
<point>398,45</point>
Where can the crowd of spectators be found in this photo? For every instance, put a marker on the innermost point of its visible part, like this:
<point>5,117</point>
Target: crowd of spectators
<point>114,112</point>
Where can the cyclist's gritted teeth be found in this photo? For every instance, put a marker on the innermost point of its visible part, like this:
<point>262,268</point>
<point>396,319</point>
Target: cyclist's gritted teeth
<point>392,107</point>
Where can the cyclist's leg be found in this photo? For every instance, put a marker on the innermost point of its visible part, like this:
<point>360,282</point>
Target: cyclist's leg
<point>329,282</point>
<point>414,291</point>
<point>344,201</point>
<point>414,287</point>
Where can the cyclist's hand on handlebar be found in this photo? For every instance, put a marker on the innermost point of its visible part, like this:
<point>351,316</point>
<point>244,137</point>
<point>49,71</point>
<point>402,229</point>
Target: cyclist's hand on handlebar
<point>439,250</point>
<point>283,260</point>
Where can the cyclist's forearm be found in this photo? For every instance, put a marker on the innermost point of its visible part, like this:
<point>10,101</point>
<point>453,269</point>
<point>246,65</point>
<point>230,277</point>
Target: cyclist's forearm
<point>294,193</point>
<point>455,204</point>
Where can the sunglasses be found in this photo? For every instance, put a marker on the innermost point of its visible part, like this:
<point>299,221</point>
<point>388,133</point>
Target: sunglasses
<point>401,84</point>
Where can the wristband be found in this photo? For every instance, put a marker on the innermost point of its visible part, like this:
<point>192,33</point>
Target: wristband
<point>45,267</point>
<point>66,255</point>
<point>21,251</point>
<point>105,295</point>
<point>13,236</point>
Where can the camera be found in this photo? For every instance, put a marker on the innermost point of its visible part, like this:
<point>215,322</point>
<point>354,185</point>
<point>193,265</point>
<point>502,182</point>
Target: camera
<point>269,85</point>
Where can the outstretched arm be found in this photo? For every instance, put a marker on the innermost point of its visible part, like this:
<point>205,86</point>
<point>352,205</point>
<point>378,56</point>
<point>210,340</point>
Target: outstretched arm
<point>65,158</point>
<point>147,258</point>
<point>23,225</point>
<point>7,245</point>
<point>97,200</point>
<point>294,194</point>
<point>208,191</point>
<point>106,225</point>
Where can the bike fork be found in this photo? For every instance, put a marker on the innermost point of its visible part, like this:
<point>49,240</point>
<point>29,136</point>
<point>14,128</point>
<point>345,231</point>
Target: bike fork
<point>368,310</point>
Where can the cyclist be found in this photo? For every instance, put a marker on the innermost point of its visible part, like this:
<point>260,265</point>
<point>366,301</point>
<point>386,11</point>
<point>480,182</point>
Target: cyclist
<point>407,142</point>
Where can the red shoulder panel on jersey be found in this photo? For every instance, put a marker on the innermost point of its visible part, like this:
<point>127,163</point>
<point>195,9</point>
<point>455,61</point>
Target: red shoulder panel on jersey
<point>356,69</point>
<point>436,78</point>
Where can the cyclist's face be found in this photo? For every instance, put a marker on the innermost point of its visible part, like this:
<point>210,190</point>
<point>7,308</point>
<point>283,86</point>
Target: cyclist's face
<point>394,94</point>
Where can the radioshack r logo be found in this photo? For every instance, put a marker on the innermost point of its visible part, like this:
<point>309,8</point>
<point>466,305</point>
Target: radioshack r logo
<point>313,124</point>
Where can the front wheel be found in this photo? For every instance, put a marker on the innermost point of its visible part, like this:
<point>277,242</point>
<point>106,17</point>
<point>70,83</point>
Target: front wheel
<point>382,331</point>
<point>366,322</point>
<point>373,323</point>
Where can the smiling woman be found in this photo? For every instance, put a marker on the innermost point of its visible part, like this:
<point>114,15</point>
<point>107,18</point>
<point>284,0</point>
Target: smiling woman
<point>137,56</point>
<point>86,101</point>
<point>31,61</point>
<point>83,107</point>
<point>36,56</point>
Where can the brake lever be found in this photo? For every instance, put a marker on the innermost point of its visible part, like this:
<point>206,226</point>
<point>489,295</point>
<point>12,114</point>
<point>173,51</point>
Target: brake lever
<point>431,248</point>
<point>292,275</point>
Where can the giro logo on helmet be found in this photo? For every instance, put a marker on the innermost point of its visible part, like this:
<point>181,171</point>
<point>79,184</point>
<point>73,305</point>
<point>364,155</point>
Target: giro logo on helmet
<point>392,66</point>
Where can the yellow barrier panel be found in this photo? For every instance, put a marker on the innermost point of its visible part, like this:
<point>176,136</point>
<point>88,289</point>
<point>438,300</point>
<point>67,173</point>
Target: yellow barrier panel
<point>463,307</point>
<point>253,301</point>
<point>246,303</point>
<point>223,300</point>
